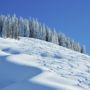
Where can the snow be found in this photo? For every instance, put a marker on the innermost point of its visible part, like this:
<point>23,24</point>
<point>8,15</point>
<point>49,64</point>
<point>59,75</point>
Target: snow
<point>32,64</point>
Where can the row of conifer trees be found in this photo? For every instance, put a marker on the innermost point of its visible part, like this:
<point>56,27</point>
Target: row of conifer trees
<point>14,27</point>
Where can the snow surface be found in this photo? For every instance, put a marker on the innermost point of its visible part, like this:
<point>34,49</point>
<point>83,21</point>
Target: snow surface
<point>32,64</point>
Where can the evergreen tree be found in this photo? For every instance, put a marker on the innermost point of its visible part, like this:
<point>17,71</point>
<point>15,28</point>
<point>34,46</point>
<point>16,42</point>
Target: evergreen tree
<point>1,25</point>
<point>62,39</point>
<point>54,37</point>
<point>83,49</point>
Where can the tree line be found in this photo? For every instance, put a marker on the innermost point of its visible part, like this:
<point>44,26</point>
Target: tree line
<point>14,27</point>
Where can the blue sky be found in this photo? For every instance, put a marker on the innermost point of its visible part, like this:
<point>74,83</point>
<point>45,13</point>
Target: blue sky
<point>69,16</point>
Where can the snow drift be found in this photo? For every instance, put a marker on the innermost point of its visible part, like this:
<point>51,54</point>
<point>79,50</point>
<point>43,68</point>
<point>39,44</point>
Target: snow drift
<point>32,64</point>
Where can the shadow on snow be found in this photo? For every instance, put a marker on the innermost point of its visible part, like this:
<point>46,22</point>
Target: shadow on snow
<point>15,77</point>
<point>11,51</point>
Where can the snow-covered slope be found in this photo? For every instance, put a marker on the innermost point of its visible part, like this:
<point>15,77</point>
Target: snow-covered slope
<point>31,64</point>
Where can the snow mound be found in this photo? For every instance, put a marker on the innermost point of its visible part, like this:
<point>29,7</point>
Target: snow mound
<point>32,64</point>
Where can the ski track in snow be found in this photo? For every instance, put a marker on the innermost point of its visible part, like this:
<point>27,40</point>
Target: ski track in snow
<point>32,64</point>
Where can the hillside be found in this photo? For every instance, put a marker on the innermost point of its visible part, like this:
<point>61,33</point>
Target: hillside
<point>32,64</point>
<point>15,27</point>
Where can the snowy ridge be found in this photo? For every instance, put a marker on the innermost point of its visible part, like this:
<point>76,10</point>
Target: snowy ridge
<point>32,64</point>
<point>23,27</point>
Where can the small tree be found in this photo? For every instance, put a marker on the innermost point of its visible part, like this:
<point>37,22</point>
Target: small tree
<point>83,49</point>
<point>62,39</point>
<point>54,37</point>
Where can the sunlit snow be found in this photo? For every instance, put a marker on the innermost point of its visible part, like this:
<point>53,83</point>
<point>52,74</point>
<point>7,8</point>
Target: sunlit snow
<point>32,64</point>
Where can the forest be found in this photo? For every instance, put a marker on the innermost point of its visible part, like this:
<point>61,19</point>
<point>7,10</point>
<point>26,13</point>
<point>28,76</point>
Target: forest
<point>14,27</point>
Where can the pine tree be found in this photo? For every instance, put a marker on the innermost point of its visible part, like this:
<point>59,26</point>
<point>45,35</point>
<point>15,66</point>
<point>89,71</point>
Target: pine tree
<point>54,37</point>
<point>62,39</point>
<point>1,25</point>
<point>83,49</point>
